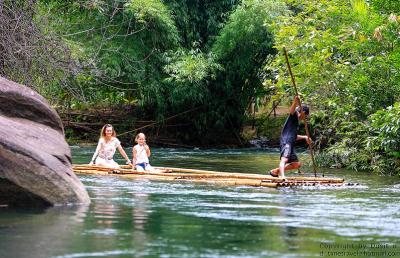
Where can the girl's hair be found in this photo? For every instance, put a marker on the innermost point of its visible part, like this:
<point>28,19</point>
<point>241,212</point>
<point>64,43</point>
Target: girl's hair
<point>103,131</point>
<point>138,135</point>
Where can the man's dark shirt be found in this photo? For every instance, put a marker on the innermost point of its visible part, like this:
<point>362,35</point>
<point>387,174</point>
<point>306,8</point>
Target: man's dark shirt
<point>289,131</point>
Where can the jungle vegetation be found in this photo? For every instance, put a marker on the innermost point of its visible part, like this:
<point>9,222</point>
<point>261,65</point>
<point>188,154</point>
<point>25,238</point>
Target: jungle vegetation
<point>210,60</point>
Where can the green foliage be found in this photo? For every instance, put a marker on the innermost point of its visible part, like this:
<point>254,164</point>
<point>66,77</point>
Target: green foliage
<point>348,149</point>
<point>190,74</point>
<point>244,44</point>
<point>370,145</point>
<point>117,44</point>
<point>385,131</point>
<point>386,6</point>
<point>169,56</point>
<point>192,66</point>
<point>345,58</point>
<point>220,83</point>
<point>326,41</point>
<point>28,53</point>
<point>199,21</point>
<point>270,127</point>
<point>155,17</point>
<point>217,57</point>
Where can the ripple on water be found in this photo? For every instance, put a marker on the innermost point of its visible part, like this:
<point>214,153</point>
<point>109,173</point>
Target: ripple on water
<point>113,253</point>
<point>356,211</point>
<point>349,216</point>
<point>105,231</point>
<point>393,189</point>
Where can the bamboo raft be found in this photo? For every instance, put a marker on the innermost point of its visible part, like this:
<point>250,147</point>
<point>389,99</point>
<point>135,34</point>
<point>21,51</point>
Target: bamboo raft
<point>205,176</point>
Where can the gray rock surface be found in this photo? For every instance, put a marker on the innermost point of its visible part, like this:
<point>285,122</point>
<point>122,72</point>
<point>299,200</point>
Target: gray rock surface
<point>35,160</point>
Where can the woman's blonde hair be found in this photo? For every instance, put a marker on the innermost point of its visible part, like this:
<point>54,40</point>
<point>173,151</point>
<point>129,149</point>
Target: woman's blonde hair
<point>138,135</point>
<point>103,131</point>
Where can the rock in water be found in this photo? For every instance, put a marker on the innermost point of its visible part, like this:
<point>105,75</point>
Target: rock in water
<point>35,160</point>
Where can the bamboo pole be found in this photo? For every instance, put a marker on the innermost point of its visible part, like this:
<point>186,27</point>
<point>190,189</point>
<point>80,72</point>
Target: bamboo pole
<point>91,172</point>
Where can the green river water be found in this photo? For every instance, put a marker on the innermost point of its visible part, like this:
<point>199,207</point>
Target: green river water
<point>143,218</point>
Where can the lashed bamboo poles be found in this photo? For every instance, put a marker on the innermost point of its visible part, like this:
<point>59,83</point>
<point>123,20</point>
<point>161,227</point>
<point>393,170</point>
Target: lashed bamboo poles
<point>171,171</point>
<point>196,175</point>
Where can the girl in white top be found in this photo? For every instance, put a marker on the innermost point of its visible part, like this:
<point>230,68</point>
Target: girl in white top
<point>108,143</point>
<point>141,153</point>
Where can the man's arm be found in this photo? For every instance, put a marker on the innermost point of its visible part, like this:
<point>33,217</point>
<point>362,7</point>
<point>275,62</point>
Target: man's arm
<point>295,103</point>
<point>304,137</point>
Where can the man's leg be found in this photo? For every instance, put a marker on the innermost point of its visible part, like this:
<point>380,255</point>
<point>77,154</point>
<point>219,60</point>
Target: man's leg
<point>288,157</point>
<point>282,166</point>
<point>293,165</point>
<point>288,166</point>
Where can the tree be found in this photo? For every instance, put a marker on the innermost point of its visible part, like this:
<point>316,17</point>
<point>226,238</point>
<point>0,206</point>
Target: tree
<point>345,57</point>
<point>28,54</point>
<point>386,6</point>
<point>225,80</point>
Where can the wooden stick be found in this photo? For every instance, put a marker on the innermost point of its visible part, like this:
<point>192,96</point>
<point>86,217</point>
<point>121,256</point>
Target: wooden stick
<point>301,110</point>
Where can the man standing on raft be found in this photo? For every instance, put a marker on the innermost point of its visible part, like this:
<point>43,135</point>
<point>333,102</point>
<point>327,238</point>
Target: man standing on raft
<point>289,136</point>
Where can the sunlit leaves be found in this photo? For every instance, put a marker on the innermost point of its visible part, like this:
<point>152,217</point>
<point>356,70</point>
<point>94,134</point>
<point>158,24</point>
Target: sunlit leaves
<point>156,18</point>
<point>190,73</point>
<point>344,56</point>
<point>387,6</point>
<point>193,66</point>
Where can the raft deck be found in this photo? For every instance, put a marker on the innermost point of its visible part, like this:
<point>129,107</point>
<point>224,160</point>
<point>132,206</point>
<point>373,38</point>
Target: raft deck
<point>206,176</point>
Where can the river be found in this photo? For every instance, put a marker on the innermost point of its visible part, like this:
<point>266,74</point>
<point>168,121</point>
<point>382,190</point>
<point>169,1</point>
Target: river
<point>143,218</point>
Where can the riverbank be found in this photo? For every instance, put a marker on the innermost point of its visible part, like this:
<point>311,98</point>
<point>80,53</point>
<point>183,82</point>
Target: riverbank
<point>82,127</point>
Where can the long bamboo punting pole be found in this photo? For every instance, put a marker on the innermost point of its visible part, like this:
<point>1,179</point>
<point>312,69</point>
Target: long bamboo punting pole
<point>301,110</point>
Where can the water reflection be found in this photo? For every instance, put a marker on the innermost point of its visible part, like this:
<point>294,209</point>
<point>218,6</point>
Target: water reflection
<point>140,218</point>
<point>106,212</point>
<point>35,233</point>
<point>140,211</point>
<point>140,214</point>
<point>120,212</point>
<point>289,233</point>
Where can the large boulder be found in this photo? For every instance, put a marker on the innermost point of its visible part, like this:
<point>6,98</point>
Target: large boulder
<point>35,160</point>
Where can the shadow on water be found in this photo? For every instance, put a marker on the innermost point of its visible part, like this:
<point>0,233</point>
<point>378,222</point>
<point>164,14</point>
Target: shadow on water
<point>39,232</point>
<point>142,218</point>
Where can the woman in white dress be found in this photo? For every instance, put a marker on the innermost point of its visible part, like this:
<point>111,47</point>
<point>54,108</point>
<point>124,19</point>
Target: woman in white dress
<point>106,147</point>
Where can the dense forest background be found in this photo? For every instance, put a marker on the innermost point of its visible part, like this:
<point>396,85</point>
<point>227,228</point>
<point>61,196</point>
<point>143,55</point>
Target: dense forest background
<point>207,62</point>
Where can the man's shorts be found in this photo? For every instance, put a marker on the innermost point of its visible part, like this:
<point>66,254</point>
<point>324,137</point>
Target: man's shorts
<point>287,151</point>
